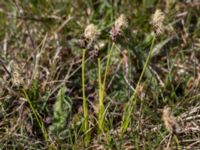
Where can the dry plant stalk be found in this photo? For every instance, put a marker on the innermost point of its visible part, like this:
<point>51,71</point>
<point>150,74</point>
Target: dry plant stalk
<point>17,78</point>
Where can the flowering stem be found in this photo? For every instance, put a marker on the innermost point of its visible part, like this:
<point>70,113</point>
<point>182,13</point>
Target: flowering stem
<point>131,104</point>
<point>101,106</point>
<point>85,109</point>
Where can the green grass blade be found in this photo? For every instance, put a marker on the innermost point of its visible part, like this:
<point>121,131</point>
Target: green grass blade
<point>37,117</point>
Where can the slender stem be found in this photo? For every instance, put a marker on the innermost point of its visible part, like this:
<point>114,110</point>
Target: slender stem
<point>107,64</point>
<point>144,68</point>
<point>99,79</point>
<point>130,105</point>
<point>101,107</point>
<point>85,109</point>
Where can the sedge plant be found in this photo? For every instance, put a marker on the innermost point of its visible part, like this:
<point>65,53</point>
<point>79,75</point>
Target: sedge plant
<point>158,24</point>
<point>129,108</point>
<point>91,33</point>
<point>119,24</point>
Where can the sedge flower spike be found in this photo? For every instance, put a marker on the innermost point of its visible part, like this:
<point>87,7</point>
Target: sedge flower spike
<point>120,24</point>
<point>157,21</point>
<point>170,121</point>
<point>91,32</point>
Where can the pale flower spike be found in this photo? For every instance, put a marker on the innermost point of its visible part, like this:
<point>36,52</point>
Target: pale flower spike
<point>157,21</point>
<point>91,32</point>
<point>170,121</point>
<point>121,22</point>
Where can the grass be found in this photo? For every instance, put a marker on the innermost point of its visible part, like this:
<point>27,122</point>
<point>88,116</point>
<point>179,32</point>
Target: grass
<point>38,118</point>
<point>102,87</point>
<point>60,89</point>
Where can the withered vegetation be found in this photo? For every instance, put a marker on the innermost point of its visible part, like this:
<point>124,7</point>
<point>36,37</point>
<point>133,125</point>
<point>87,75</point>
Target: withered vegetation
<point>132,102</point>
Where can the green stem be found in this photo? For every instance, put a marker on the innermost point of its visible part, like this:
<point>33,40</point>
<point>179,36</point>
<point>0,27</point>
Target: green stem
<point>107,64</point>
<point>85,109</point>
<point>130,105</point>
<point>101,106</point>
<point>102,89</point>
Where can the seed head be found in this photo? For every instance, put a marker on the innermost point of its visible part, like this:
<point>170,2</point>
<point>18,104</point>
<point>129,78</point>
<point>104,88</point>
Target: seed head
<point>17,78</point>
<point>91,32</point>
<point>121,22</point>
<point>157,21</point>
<point>170,121</point>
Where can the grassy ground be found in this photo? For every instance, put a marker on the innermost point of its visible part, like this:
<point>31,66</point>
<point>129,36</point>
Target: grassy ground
<point>127,88</point>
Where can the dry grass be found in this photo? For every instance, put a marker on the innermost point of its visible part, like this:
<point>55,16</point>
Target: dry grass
<point>41,95</point>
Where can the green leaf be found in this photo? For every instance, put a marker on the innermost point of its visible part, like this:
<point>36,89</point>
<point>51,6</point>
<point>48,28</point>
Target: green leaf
<point>62,109</point>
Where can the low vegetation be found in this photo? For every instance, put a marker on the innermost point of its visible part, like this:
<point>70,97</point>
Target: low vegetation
<point>99,74</point>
